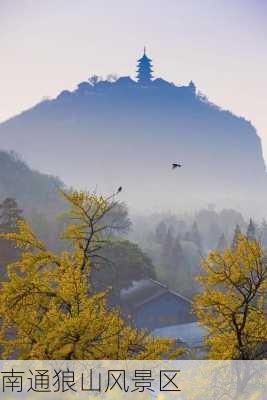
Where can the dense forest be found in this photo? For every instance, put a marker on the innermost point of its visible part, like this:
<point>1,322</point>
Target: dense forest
<point>77,267</point>
<point>177,243</point>
<point>166,247</point>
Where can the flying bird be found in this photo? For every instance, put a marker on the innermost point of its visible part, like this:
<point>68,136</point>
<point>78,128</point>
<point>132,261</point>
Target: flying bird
<point>174,165</point>
<point>119,189</point>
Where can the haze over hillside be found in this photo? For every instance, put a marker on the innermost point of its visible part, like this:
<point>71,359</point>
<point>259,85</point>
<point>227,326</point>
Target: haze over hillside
<point>35,192</point>
<point>107,134</point>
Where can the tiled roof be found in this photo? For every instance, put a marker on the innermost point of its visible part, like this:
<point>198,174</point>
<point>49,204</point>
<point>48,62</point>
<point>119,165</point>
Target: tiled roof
<point>144,291</point>
<point>191,334</point>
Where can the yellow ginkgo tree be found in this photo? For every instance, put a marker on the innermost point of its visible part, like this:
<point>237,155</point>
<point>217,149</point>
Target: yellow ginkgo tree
<point>48,309</point>
<point>232,304</point>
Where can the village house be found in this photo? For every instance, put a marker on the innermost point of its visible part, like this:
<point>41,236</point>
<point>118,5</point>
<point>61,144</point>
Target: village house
<point>150,305</point>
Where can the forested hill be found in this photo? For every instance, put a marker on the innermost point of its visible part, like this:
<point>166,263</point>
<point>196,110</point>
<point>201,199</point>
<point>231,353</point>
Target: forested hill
<point>34,192</point>
<point>122,133</point>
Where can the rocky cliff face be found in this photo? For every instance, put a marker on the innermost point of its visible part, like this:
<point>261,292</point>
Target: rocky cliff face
<point>126,134</point>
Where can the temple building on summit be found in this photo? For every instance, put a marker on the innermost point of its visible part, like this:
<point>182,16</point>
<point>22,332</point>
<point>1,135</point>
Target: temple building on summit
<point>144,69</point>
<point>145,77</point>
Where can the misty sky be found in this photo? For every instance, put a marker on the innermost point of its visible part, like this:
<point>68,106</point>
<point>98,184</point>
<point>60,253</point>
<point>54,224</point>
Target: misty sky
<point>48,46</point>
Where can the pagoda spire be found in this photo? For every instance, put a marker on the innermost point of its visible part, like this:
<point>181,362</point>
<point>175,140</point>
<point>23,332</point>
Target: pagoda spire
<point>144,69</point>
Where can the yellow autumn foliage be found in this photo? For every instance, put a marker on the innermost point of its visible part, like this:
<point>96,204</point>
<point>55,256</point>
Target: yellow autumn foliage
<point>47,307</point>
<point>233,303</point>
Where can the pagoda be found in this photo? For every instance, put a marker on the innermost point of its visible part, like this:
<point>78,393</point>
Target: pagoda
<point>144,70</point>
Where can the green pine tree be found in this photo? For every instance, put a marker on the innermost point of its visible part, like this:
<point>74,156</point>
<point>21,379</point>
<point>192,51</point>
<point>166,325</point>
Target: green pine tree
<point>251,231</point>
<point>236,237</point>
<point>9,215</point>
<point>196,237</point>
<point>222,243</point>
<point>161,232</point>
<point>263,234</point>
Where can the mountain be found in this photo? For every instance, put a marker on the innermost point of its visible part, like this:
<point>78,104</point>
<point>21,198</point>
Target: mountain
<point>34,192</point>
<point>107,134</point>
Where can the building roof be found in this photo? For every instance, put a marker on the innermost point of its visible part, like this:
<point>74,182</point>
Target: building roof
<point>191,334</point>
<point>144,291</point>
<point>144,57</point>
